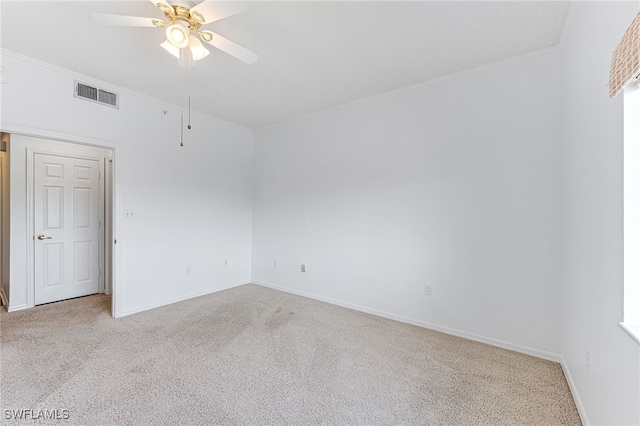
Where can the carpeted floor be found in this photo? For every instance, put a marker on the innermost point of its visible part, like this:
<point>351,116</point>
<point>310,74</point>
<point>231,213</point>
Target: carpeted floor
<point>252,355</point>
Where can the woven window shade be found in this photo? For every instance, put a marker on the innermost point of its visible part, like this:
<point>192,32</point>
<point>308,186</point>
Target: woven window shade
<point>625,65</point>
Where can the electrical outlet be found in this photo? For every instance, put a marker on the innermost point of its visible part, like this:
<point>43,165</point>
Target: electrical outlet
<point>427,290</point>
<point>226,263</point>
<point>588,360</point>
<point>303,268</point>
<point>129,214</point>
<point>275,264</point>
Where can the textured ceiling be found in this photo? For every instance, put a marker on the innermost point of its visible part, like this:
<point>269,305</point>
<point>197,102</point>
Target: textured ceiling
<point>312,55</point>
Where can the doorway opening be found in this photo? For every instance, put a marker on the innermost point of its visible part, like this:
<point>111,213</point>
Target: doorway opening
<point>61,213</point>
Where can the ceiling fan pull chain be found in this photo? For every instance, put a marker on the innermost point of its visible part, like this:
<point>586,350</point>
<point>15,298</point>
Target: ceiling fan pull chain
<point>181,59</point>
<point>189,90</point>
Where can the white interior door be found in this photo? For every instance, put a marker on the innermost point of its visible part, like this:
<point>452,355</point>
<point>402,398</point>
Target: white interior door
<point>67,226</point>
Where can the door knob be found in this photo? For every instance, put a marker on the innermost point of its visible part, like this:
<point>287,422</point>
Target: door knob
<point>42,237</point>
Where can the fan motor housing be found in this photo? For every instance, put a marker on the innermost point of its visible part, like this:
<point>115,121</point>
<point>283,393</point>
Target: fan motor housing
<point>194,19</point>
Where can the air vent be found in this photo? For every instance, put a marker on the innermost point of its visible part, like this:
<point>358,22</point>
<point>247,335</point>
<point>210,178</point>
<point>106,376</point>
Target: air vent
<point>108,98</point>
<point>95,94</point>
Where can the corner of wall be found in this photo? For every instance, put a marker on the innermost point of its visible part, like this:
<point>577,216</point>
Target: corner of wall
<point>574,392</point>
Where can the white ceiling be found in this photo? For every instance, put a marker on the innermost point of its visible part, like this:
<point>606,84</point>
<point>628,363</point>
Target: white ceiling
<point>312,55</point>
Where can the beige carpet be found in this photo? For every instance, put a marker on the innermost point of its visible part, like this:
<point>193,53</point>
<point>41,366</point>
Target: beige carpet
<point>252,355</point>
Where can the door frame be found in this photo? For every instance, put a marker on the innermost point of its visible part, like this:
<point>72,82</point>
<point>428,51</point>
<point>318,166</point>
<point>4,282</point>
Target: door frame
<point>113,207</point>
<point>103,216</point>
<point>2,236</point>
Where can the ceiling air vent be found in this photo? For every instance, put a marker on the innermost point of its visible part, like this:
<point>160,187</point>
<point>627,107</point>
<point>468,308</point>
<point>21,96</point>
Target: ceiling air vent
<point>95,94</point>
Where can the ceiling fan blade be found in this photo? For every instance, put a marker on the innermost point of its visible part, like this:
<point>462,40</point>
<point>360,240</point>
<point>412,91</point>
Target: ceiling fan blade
<point>164,2</point>
<point>124,21</point>
<point>212,10</point>
<point>233,49</point>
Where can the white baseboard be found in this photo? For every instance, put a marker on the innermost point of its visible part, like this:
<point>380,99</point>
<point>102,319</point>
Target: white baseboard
<point>138,309</point>
<point>550,356</point>
<point>17,308</point>
<point>5,303</point>
<point>574,392</point>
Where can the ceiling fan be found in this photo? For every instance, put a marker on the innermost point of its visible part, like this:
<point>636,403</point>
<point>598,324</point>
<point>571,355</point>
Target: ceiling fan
<point>183,27</point>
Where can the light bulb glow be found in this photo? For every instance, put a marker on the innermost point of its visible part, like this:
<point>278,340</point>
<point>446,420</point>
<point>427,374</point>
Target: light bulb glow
<point>177,35</point>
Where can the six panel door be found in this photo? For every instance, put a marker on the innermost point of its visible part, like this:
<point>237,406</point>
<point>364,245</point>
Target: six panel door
<point>67,227</point>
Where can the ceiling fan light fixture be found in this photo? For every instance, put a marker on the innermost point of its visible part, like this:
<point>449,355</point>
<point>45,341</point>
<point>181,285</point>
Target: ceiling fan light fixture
<point>175,51</point>
<point>177,35</point>
<point>198,51</point>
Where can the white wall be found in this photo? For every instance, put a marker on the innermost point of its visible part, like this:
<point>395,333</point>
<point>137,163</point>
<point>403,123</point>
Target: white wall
<point>452,184</point>
<point>500,188</point>
<point>593,235</point>
<point>192,204</point>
